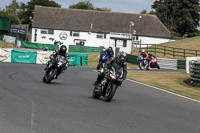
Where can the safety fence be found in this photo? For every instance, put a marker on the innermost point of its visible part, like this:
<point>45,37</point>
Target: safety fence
<point>11,39</point>
<point>195,75</point>
<point>163,62</point>
<point>85,49</point>
<point>38,46</point>
<point>38,57</point>
<point>170,51</point>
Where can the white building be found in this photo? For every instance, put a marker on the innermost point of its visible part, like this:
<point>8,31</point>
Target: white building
<point>96,28</point>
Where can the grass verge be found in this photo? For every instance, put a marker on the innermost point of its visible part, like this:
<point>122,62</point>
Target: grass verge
<point>171,81</point>
<point>7,45</point>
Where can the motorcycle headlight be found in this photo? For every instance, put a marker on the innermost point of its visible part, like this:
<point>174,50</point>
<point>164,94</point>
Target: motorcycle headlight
<point>112,76</point>
<point>59,64</point>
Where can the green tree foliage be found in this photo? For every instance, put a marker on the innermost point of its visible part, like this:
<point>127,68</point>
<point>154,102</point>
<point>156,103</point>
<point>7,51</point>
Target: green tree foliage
<point>179,16</point>
<point>26,11</point>
<point>87,5</point>
<point>11,11</point>
<point>143,11</point>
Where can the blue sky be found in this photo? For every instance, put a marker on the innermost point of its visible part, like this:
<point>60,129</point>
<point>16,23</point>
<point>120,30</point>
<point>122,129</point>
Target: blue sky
<point>129,6</point>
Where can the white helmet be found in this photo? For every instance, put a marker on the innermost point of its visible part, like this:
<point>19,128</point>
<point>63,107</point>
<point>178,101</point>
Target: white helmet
<point>143,50</point>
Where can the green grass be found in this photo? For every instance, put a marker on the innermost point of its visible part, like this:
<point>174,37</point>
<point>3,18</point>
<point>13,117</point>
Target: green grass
<point>7,45</point>
<point>171,81</point>
<point>188,43</point>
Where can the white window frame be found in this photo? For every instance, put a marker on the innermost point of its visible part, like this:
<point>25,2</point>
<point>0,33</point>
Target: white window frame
<point>72,33</point>
<point>47,31</point>
<point>99,34</point>
<point>42,31</point>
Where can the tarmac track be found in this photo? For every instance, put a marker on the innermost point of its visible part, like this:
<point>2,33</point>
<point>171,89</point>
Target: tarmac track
<point>27,105</point>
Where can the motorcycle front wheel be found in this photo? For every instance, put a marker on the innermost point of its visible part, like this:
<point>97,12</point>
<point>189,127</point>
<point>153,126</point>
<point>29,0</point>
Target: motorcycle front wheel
<point>51,75</point>
<point>141,66</point>
<point>157,65</point>
<point>95,95</point>
<point>110,92</point>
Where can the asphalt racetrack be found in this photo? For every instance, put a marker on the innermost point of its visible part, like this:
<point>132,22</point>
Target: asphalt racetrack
<point>27,105</point>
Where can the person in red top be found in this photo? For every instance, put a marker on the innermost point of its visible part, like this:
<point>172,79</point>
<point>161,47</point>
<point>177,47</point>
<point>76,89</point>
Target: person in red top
<point>145,55</point>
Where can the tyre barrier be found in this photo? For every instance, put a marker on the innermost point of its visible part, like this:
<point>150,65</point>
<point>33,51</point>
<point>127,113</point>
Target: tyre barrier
<point>38,57</point>
<point>195,73</point>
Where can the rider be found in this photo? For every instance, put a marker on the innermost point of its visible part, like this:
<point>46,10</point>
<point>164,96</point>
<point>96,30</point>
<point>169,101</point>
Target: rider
<point>151,55</point>
<point>117,62</point>
<point>110,52</point>
<point>62,51</point>
<point>145,55</point>
<point>103,52</point>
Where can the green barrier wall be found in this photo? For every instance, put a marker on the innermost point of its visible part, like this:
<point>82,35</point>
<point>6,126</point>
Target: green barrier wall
<point>132,59</point>
<point>1,37</point>
<point>4,24</point>
<point>38,46</point>
<point>23,56</point>
<point>181,64</point>
<point>78,59</point>
<point>85,49</point>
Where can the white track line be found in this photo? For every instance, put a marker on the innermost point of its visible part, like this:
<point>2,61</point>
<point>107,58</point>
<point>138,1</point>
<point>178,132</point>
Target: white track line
<point>161,89</point>
<point>32,117</point>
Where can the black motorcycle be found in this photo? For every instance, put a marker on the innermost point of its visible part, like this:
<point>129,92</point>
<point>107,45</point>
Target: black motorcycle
<point>108,85</point>
<point>54,67</point>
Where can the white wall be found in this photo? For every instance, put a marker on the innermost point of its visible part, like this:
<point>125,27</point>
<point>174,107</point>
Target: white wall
<point>91,39</point>
<point>153,40</point>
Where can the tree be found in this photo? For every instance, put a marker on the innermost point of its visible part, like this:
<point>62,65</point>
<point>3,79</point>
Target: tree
<point>83,5</point>
<point>26,11</point>
<point>87,5</point>
<point>11,11</point>
<point>143,11</point>
<point>180,16</point>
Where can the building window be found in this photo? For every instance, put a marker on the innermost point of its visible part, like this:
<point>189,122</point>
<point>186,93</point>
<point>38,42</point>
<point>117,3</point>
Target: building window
<point>79,42</point>
<point>101,36</point>
<point>73,33</point>
<point>49,31</point>
<point>44,31</point>
<point>124,43</point>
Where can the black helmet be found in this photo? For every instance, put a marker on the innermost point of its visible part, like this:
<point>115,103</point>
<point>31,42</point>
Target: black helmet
<point>110,48</point>
<point>63,50</point>
<point>121,57</point>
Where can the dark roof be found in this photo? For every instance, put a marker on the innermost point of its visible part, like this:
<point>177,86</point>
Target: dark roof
<point>105,22</point>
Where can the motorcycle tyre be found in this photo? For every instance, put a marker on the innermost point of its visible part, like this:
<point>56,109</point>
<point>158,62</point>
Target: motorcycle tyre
<point>157,65</point>
<point>141,66</point>
<point>95,95</point>
<point>112,93</point>
<point>51,77</point>
<point>44,79</point>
